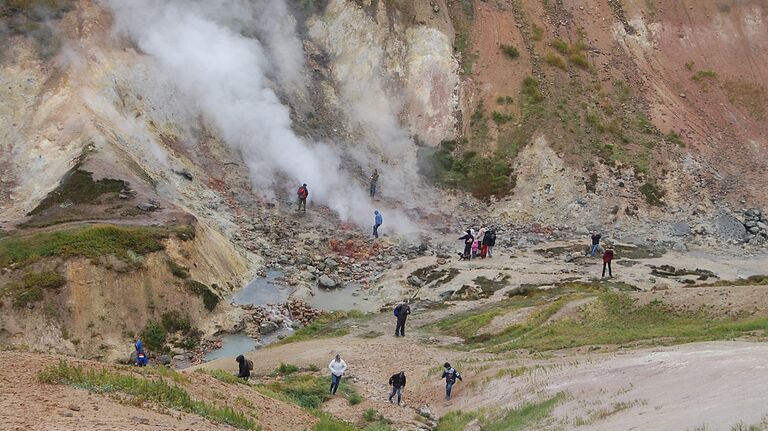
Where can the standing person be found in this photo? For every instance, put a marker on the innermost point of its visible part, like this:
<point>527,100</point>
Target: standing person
<point>302,193</point>
<point>468,239</point>
<point>450,375</point>
<point>401,312</point>
<point>486,241</point>
<point>374,182</point>
<point>607,258</point>
<point>337,367</point>
<point>595,242</point>
<point>397,381</point>
<point>377,221</point>
<point>475,247</point>
<point>244,367</point>
<point>491,243</point>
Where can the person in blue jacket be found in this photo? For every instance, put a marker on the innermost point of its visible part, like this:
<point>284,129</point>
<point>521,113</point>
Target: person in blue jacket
<point>377,221</point>
<point>141,356</point>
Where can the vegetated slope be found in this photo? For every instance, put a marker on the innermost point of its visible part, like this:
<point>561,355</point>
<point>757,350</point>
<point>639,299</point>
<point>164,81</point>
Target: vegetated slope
<point>666,97</point>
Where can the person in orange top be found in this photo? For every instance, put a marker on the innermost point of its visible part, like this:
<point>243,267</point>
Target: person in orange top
<point>607,258</point>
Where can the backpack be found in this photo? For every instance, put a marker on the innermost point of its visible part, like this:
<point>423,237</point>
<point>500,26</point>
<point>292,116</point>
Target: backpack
<point>396,311</point>
<point>249,363</point>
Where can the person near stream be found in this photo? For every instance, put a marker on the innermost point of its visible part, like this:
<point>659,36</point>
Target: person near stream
<point>377,221</point>
<point>401,313</point>
<point>244,367</point>
<point>397,381</point>
<point>595,243</point>
<point>607,258</point>
<point>302,194</point>
<point>468,240</point>
<point>374,182</point>
<point>450,375</point>
<point>337,367</point>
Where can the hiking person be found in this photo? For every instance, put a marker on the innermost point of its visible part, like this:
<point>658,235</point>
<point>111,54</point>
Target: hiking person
<point>377,221</point>
<point>401,312</point>
<point>374,182</point>
<point>475,247</point>
<point>479,237</point>
<point>468,239</point>
<point>302,193</point>
<point>607,258</point>
<point>491,243</point>
<point>450,375</point>
<point>244,367</point>
<point>337,367</point>
<point>397,381</point>
<point>141,356</point>
<point>486,242</point>
<point>595,243</point>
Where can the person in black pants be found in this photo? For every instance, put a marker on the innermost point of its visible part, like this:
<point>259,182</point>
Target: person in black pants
<point>397,381</point>
<point>401,312</point>
<point>468,240</point>
<point>607,258</point>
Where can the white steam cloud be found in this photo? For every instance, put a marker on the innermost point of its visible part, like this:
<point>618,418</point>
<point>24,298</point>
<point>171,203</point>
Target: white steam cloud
<point>221,54</point>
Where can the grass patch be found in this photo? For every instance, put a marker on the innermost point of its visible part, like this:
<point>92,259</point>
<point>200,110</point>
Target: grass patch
<point>580,60</point>
<point>754,280</point>
<point>178,270</point>
<point>525,416</point>
<point>456,420</point>
<point>31,286</point>
<point>371,334</point>
<point>561,46</point>
<point>510,51</point>
<point>532,98</point>
<point>157,391</point>
<point>210,299</point>
<point>674,138</point>
<point>154,335</point>
<point>538,33</point>
<point>653,195</point>
<point>222,376</point>
<point>749,96</point>
<point>327,325</point>
<point>90,241</point>
<point>306,390</point>
<point>175,321</point>
<point>500,118</point>
<point>704,76</point>
<point>555,60</point>
<point>286,369</point>
<point>78,187</point>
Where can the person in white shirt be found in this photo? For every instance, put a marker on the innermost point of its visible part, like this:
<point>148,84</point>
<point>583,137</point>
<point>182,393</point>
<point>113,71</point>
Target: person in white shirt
<point>337,367</point>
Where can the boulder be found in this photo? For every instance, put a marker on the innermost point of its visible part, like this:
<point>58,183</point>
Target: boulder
<point>268,327</point>
<point>729,227</point>
<point>164,359</point>
<point>415,281</point>
<point>331,264</point>
<point>681,229</point>
<point>327,282</point>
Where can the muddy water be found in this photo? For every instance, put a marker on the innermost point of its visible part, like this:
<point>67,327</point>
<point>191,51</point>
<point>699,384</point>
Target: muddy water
<point>263,291</point>
<point>345,298</point>
<point>231,346</point>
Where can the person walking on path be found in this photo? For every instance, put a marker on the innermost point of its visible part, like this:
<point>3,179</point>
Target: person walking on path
<point>468,240</point>
<point>486,242</point>
<point>450,375</point>
<point>377,221</point>
<point>302,193</point>
<point>607,258</point>
<point>595,243</point>
<point>397,381</point>
<point>244,367</point>
<point>337,367</point>
<point>374,182</point>
<point>401,312</point>
<point>491,242</point>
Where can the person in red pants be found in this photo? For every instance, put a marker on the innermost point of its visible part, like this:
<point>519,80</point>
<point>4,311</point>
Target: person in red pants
<point>607,258</point>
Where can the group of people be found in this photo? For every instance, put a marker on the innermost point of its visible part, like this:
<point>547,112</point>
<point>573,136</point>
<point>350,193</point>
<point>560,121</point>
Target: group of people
<point>608,253</point>
<point>478,244</point>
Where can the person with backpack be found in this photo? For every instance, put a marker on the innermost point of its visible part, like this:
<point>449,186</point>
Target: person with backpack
<point>377,221</point>
<point>607,258</point>
<point>486,240</point>
<point>302,193</point>
<point>244,367</point>
<point>141,356</point>
<point>450,375</point>
<point>374,182</point>
<point>595,243</point>
<point>397,381</point>
<point>337,367</point>
<point>401,312</point>
<point>468,240</point>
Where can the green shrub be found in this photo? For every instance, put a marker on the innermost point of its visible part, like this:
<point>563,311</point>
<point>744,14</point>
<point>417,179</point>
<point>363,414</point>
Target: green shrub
<point>370,415</point>
<point>653,195</point>
<point>30,288</point>
<point>500,118</point>
<point>285,369</point>
<point>210,299</point>
<point>561,46</point>
<point>354,399</point>
<point>154,336</point>
<point>178,270</point>
<point>704,75</point>
<point>78,187</point>
<point>674,138</point>
<point>555,60</point>
<point>307,391</point>
<point>579,60</point>
<point>538,33</point>
<point>158,391</point>
<point>174,321</point>
<point>510,51</point>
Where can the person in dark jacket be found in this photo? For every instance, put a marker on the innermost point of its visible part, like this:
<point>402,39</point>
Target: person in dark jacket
<point>374,182</point>
<point>491,242</point>
<point>486,242</point>
<point>401,312</point>
<point>607,258</point>
<point>595,243</point>
<point>468,240</point>
<point>450,375</point>
<point>302,194</point>
<point>243,370</point>
<point>397,381</point>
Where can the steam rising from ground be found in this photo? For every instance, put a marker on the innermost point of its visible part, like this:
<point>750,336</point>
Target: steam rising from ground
<point>207,49</point>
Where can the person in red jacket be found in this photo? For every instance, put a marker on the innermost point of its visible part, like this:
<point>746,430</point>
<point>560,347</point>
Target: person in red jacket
<point>302,193</point>
<point>607,258</point>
